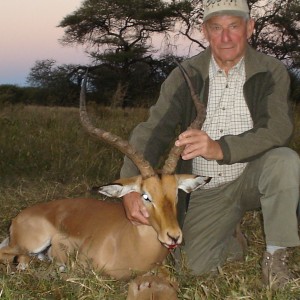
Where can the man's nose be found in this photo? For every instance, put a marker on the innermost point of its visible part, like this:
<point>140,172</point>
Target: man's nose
<point>225,35</point>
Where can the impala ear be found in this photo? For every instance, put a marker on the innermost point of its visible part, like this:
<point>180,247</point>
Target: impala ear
<point>120,187</point>
<point>189,183</point>
<point>115,190</point>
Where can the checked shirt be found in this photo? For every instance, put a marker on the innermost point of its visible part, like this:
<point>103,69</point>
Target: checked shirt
<point>227,114</point>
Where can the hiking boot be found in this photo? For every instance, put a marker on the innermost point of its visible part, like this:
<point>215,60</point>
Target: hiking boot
<point>275,271</point>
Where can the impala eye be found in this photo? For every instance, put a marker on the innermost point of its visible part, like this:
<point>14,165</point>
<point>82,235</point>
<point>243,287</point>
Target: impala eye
<point>146,198</point>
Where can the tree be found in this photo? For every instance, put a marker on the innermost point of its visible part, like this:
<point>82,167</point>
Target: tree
<point>277,29</point>
<point>122,26</point>
<point>11,94</point>
<point>58,85</point>
<point>117,34</point>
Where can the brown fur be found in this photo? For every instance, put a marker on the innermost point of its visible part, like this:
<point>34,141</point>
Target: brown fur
<point>99,232</point>
<point>88,226</point>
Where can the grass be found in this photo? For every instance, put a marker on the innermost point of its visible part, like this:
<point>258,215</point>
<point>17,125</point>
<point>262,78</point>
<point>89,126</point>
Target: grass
<point>45,154</point>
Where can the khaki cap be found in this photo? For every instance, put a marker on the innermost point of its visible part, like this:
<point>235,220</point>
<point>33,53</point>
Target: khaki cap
<point>225,7</point>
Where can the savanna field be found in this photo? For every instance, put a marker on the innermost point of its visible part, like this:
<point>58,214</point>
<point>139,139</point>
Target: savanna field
<point>45,154</point>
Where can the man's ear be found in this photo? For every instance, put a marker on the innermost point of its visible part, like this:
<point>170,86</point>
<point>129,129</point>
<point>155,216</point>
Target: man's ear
<point>204,31</point>
<point>250,27</point>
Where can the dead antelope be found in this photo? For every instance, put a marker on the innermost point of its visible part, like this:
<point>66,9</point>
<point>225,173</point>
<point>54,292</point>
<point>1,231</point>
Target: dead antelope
<point>99,231</point>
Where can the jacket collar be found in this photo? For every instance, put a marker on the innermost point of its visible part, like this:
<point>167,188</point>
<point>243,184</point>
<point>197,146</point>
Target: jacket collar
<point>253,63</point>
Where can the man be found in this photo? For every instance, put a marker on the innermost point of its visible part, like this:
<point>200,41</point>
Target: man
<point>242,145</point>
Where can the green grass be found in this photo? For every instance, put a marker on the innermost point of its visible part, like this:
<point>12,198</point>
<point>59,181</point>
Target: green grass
<point>45,154</point>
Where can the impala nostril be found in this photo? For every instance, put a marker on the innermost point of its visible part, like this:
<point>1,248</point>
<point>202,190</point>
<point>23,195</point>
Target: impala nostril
<point>173,238</point>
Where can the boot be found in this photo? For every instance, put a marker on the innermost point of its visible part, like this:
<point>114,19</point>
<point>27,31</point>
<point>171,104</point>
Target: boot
<point>275,271</point>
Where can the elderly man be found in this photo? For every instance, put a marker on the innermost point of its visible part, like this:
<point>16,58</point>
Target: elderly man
<point>242,145</point>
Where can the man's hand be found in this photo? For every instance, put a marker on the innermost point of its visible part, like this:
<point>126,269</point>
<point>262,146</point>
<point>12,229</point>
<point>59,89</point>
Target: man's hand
<point>198,143</point>
<point>135,210</point>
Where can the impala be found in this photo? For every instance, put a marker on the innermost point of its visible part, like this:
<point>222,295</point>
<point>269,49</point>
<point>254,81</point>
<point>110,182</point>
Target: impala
<point>98,231</point>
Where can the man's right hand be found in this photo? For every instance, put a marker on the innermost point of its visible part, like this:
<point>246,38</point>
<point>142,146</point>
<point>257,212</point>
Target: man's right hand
<point>135,209</point>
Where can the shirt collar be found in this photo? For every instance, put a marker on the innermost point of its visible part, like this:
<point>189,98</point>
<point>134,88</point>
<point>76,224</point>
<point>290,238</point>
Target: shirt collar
<point>215,69</point>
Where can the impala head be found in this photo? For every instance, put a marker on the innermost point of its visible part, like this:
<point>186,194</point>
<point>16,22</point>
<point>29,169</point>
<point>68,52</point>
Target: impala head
<point>159,195</point>
<point>158,192</point>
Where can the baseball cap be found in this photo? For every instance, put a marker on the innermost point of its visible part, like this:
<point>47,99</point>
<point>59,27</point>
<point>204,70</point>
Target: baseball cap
<point>225,7</point>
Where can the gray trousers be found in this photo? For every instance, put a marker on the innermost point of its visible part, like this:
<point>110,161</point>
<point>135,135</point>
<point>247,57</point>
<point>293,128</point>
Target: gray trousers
<point>271,183</point>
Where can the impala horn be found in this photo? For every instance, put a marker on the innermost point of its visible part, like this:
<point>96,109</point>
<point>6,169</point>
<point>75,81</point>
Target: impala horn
<point>174,155</point>
<point>122,145</point>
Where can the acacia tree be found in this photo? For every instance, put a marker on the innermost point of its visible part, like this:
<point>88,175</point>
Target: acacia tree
<point>118,33</point>
<point>118,26</point>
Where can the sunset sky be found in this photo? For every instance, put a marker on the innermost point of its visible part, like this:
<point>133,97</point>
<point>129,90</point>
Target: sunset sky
<point>28,32</point>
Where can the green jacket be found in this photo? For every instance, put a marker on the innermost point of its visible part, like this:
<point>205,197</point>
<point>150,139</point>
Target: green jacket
<point>266,92</point>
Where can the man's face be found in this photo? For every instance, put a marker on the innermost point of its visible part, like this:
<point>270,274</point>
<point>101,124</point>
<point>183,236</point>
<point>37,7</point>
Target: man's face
<point>227,36</point>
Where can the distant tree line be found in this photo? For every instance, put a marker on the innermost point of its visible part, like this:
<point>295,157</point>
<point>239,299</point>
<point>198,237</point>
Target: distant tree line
<point>126,69</point>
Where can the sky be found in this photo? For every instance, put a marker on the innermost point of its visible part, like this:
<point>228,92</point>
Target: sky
<point>29,32</point>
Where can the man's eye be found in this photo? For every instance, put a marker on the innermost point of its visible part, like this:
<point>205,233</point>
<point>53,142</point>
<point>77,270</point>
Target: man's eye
<point>146,198</point>
<point>216,28</point>
<point>233,26</point>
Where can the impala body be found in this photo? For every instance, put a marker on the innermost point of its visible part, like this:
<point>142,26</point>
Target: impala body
<point>98,232</point>
<point>107,242</point>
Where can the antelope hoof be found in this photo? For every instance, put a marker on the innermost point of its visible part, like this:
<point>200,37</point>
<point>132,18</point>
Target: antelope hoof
<point>22,266</point>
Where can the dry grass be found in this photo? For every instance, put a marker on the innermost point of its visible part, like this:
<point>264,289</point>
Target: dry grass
<point>45,154</point>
